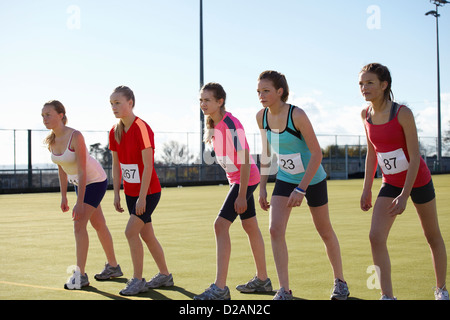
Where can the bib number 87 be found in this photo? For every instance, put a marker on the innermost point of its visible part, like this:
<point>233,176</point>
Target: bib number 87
<point>388,165</point>
<point>393,162</point>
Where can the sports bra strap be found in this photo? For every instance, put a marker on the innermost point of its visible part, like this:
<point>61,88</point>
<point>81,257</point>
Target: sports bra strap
<point>292,130</point>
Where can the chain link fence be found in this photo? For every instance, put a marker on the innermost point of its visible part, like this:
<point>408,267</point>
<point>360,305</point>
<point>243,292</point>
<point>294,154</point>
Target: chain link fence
<point>25,163</point>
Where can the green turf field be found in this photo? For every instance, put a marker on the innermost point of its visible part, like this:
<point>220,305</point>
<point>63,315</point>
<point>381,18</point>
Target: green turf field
<point>37,246</point>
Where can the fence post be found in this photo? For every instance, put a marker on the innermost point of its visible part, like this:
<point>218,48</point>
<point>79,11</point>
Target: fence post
<point>30,169</point>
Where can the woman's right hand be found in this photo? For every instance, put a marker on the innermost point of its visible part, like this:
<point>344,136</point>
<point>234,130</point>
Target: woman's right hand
<point>64,204</point>
<point>265,205</point>
<point>117,205</point>
<point>366,200</point>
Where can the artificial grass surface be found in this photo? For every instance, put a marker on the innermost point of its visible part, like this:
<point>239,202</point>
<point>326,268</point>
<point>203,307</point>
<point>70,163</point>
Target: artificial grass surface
<point>37,246</point>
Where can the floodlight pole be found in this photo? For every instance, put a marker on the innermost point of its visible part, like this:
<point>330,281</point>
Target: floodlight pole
<point>202,117</point>
<point>435,13</point>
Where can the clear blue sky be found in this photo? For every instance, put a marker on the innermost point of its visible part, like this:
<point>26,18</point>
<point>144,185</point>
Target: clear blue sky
<point>153,47</point>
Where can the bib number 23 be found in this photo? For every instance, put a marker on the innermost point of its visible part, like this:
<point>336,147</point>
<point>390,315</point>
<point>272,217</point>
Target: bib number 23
<point>291,163</point>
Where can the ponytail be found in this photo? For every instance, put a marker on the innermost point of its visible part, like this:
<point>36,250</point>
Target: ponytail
<point>219,93</point>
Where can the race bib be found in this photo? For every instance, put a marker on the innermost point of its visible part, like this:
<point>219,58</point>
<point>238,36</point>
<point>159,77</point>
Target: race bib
<point>291,163</point>
<point>226,163</point>
<point>130,173</point>
<point>393,162</point>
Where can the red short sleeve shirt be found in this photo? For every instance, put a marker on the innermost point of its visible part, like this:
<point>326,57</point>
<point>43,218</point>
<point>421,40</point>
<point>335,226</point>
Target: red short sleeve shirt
<point>138,137</point>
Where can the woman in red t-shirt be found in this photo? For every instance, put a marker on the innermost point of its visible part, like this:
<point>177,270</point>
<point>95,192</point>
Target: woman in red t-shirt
<point>132,144</point>
<point>392,143</point>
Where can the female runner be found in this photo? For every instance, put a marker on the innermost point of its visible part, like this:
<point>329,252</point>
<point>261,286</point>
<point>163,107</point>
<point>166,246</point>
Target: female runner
<point>289,133</point>
<point>132,144</point>
<point>75,165</point>
<point>392,143</point>
<point>227,136</point>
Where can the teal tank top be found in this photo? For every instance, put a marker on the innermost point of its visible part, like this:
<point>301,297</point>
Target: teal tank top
<point>292,152</point>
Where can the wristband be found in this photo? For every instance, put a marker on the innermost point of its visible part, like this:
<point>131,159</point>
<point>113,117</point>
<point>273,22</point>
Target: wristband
<point>300,190</point>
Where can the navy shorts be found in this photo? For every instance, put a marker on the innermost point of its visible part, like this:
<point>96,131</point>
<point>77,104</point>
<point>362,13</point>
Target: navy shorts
<point>419,195</point>
<point>150,206</point>
<point>316,194</point>
<point>227,211</point>
<point>94,193</point>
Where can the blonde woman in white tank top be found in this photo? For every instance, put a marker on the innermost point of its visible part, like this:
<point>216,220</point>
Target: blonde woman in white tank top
<point>75,165</point>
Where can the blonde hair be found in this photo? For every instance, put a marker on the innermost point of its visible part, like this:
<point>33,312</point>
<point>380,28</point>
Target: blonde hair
<point>219,93</point>
<point>59,108</point>
<point>120,126</point>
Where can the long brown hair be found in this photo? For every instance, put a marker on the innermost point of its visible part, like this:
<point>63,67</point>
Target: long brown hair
<point>120,126</point>
<point>219,93</point>
<point>383,74</point>
<point>59,108</point>
<point>279,81</point>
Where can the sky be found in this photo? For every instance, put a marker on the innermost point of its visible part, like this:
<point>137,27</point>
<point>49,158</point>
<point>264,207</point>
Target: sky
<point>78,51</point>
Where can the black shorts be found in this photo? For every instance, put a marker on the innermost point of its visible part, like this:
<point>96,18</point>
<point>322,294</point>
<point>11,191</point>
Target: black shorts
<point>227,211</point>
<point>150,206</point>
<point>94,193</point>
<point>316,194</point>
<point>419,195</point>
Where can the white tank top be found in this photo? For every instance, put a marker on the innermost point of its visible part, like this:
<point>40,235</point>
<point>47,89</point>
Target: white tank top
<point>68,162</point>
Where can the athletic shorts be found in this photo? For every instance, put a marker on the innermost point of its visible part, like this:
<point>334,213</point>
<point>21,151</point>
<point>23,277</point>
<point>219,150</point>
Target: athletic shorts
<point>227,211</point>
<point>94,193</point>
<point>150,206</point>
<point>316,194</point>
<point>419,195</point>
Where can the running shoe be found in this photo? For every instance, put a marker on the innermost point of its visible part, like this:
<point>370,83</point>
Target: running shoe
<point>134,286</point>
<point>385,297</point>
<point>441,294</point>
<point>108,273</point>
<point>77,281</point>
<point>282,294</point>
<point>255,285</point>
<point>214,293</point>
<point>340,290</point>
<point>160,280</point>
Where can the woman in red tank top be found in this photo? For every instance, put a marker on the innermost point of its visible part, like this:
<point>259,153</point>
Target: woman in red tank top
<point>392,143</point>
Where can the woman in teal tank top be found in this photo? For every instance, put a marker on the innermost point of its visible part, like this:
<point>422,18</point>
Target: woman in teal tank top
<point>292,151</point>
<point>287,132</point>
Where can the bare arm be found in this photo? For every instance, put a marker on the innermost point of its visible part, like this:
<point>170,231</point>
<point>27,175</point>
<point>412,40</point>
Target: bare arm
<point>265,163</point>
<point>79,146</point>
<point>117,180</point>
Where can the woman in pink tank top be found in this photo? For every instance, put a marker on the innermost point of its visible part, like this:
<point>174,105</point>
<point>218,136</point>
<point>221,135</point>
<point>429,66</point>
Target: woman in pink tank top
<point>392,143</point>
<point>226,134</point>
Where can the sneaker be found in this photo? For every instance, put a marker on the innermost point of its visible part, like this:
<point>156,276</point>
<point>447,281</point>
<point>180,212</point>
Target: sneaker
<point>385,297</point>
<point>109,272</point>
<point>214,293</point>
<point>134,286</point>
<point>340,290</point>
<point>77,281</point>
<point>441,294</point>
<point>282,294</point>
<point>255,285</point>
<point>160,280</point>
